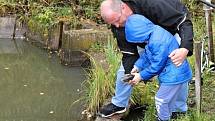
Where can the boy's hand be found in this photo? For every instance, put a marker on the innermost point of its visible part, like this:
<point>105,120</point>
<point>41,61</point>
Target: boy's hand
<point>136,79</point>
<point>134,70</point>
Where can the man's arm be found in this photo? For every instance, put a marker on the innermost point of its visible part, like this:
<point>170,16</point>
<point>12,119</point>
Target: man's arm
<point>186,34</point>
<point>128,61</point>
<point>174,17</point>
<point>129,50</point>
<point>185,31</point>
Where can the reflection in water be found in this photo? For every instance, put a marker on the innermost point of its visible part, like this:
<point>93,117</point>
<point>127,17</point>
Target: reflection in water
<point>35,88</point>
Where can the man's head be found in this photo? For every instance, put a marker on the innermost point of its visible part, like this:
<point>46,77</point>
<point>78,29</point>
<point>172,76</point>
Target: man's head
<point>115,12</point>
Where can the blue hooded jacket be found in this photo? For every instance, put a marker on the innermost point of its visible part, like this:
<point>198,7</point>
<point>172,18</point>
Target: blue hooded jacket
<point>154,60</point>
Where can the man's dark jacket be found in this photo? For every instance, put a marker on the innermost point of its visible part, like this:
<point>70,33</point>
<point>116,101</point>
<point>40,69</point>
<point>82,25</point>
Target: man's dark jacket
<point>172,15</point>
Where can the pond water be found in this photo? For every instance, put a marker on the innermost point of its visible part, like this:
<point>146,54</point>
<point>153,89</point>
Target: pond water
<point>34,87</point>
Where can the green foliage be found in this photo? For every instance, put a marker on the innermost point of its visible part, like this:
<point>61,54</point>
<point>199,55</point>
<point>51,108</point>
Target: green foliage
<point>191,61</point>
<point>112,54</point>
<point>191,4</point>
<point>45,17</point>
<point>48,11</point>
<point>49,16</point>
<point>97,87</point>
<point>97,46</point>
<point>91,8</point>
<point>192,116</point>
<point>150,113</point>
<point>100,84</point>
<point>199,28</point>
<point>144,93</point>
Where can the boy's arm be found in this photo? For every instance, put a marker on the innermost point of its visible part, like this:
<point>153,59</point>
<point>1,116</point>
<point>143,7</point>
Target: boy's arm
<point>142,62</point>
<point>159,52</point>
<point>139,65</point>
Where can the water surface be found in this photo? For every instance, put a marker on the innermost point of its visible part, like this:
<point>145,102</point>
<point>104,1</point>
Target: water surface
<point>34,87</point>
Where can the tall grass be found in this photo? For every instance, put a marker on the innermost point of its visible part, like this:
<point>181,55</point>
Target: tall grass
<point>192,116</point>
<point>100,82</point>
<point>144,93</point>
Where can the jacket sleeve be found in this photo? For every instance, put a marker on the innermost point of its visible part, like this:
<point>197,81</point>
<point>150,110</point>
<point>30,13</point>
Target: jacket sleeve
<point>171,15</point>
<point>128,61</point>
<point>142,62</point>
<point>186,33</point>
<point>129,50</point>
<point>158,60</point>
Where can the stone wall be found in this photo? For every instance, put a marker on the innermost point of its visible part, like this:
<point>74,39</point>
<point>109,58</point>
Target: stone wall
<point>9,26</point>
<point>71,44</point>
<point>84,38</point>
<point>74,41</point>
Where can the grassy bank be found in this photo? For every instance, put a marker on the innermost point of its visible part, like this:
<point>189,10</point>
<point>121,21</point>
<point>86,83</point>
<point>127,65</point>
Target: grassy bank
<point>143,94</point>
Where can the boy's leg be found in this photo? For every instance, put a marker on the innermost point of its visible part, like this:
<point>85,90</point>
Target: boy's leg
<point>122,95</point>
<point>180,105</point>
<point>165,96</point>
<point>181,100</point>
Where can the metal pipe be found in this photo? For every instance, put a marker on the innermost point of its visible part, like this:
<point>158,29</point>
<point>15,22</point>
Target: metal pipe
<point>207,3</point>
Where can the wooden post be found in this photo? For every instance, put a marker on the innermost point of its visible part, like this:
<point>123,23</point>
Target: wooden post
<point>197,47</point>
<point>209,30</point>
<point>61,34</point>
<point>14,28</point>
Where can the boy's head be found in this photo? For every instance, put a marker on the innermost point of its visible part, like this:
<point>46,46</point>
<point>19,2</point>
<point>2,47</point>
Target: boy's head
<point>138,28</point>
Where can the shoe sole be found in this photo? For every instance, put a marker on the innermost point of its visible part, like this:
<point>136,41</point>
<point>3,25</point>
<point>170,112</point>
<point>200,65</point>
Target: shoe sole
<point>118,112</point>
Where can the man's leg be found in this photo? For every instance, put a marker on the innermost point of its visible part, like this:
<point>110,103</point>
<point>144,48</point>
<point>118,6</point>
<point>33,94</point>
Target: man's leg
<point>123,90</point>
<point>122,95</point>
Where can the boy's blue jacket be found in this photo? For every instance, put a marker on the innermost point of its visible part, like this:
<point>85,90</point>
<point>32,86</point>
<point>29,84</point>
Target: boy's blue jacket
<point>155,60</point>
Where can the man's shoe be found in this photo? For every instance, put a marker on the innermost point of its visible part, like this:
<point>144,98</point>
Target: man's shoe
<point>111,109</point>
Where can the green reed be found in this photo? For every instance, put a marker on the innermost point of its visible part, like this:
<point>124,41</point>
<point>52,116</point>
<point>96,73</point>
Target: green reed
<point>100,82</point>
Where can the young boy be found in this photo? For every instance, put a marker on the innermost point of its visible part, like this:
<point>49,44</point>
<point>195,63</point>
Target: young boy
<point>155,61</point>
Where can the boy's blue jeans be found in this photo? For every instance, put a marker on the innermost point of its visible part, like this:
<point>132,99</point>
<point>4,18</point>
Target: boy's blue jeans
<point>123,92</point>
<point>170,99</point>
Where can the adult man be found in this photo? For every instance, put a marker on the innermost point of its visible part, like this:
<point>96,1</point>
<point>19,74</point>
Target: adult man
<point>169,14</point>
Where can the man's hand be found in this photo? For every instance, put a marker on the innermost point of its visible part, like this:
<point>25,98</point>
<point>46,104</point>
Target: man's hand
<point>136,79</point>
<point>178,55</point>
